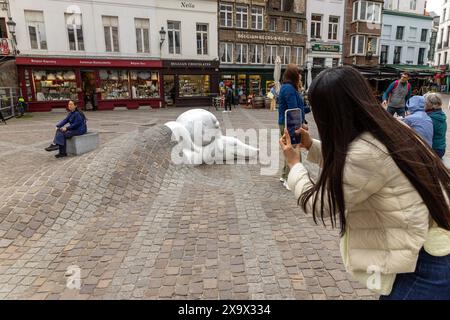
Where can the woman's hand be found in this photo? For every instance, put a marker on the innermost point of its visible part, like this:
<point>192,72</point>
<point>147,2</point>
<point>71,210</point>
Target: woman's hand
<point>306,141</point>
<point>291,153</point>
<point>63,129</point>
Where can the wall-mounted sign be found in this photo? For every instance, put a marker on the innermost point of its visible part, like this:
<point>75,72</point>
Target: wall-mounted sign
<point>190,64</point>
<point>87,62</point>
<point>263,37</point>
<point>187,4</point>
<point>326,47</point>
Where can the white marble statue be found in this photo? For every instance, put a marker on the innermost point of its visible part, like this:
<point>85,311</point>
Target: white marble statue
<point>200,140</point>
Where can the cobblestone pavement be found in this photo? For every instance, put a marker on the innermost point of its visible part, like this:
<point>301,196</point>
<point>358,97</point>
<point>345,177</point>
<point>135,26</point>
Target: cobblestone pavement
<point>141,228</point>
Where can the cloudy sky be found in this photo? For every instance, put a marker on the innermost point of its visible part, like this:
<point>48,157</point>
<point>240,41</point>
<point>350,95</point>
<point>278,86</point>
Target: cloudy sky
<point>434,5</point>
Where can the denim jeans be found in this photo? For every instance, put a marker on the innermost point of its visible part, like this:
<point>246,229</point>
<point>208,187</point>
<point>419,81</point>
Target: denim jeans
<point>400,111</point>
<point>430,280</point>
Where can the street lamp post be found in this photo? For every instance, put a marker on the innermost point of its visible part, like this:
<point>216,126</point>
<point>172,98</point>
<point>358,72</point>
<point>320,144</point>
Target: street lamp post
<point>162,35</point>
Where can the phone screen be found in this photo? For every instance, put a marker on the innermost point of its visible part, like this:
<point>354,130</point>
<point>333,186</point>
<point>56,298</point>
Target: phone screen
<point>293,124</point>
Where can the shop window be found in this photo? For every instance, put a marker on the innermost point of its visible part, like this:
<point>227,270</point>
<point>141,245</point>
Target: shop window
<point>55,85</point>
<point>28,90</point>
<point>75,31</point>
<point>36,29</point>
<point>114,84</point>
<point>144,84</point>
<point>255,84</point>
<point>194,85</point>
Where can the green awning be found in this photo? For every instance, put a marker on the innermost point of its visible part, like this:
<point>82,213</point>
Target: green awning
<point>415,68</point>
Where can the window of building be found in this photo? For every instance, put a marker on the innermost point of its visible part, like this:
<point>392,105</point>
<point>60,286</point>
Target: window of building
<point>357,45</point>
<point>242,17</point>
<point>273,24</point>
<point>439,59</point>
<point>256,53</point>
<point>319,62</point>
<point>299,25</point>
<point>372,45</point>
<point>286,25</point>
<point>412,4</point>
<point>388,4</point>
<point>3,30</point>
<point>111,30</point>
<point>412,33</point>
<point>142,29</point>
<point>271,53</point>
<point>286,5</point>
<point>399,34</point>
<point>397,55</point>
<point>194,85</point>
<point>174,35</point>
<point>202,38</point>
<point>55,85</point>
<point>445,57</point>
<point>257,18</point>
<point>36,29</point>
<point>444,13</point>
<point>386,31</point>
<point>285,54</point>
<point>335,62</point>
<point>241,53</point>
<point>226,15</point>
<point>409,55</point>
<point>421,59</point>
<point>384,54</point>
<point>316,26</point>
<point>226,52</point>
<point>367,11</point>
<point>333,26</point>
<point>424,35</point>
<point>74,31</point>
<point>298,56</point>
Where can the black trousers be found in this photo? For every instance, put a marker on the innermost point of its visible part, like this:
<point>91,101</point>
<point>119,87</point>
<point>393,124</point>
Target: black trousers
<point>227,104</point>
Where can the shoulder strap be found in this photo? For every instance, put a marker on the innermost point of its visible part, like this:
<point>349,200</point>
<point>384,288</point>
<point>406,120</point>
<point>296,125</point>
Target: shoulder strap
<point>395,84</point>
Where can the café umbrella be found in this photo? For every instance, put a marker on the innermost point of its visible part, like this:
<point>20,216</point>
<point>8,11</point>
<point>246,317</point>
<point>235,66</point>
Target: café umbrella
<point>277,73</point>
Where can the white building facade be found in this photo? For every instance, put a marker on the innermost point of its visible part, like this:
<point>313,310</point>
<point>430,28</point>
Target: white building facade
<point>118,50</point>
<point>405,38</point>
<point>325,32</point>
<point>442,54</point>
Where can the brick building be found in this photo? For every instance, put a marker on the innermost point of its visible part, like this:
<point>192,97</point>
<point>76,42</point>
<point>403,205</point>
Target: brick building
<point>362,32</point>
<point>252,33</point>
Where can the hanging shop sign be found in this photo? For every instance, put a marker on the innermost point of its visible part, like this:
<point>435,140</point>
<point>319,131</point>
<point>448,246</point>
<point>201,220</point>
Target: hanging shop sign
<point>326,47</point>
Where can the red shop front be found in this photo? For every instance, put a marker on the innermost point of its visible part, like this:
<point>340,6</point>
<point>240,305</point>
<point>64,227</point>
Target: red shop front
<point>96,84</point>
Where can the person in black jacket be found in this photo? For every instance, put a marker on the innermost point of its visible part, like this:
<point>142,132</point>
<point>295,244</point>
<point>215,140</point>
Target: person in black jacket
<point>77,126</point>
<point>228,98</point>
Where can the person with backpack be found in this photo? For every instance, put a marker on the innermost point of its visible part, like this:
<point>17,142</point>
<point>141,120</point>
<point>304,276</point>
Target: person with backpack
<point>396,96</point>
<point>228,98</point>
<point>77,127</point>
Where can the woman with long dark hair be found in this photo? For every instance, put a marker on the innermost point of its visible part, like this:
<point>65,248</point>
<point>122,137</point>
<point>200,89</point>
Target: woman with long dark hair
<point>381,183</point>
<point>289,98</point>
<point>77,126</point>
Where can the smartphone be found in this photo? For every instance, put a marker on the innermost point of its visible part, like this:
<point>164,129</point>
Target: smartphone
<point>294,121</point>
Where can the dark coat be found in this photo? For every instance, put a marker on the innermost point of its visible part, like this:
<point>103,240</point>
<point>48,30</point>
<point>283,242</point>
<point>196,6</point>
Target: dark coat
<point>77,123</point>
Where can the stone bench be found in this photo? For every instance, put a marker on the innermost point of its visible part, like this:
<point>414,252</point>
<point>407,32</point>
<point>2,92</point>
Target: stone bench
<point>81,144</point>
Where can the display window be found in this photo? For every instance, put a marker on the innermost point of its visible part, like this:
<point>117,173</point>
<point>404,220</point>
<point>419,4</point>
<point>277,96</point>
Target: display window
<point>144,84</point>
<point>53,85</point>
<point>194,86</point>
<point>255,84</point>
<point>114,84</point>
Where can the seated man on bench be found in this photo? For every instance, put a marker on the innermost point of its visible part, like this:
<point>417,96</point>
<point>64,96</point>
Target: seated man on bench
<point>77,127</point>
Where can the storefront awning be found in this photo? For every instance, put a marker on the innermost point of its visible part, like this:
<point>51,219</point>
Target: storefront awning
<point>416,70</point>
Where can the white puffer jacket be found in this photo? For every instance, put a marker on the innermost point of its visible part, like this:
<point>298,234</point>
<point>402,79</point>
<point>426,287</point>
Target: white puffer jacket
<point>387,221</point>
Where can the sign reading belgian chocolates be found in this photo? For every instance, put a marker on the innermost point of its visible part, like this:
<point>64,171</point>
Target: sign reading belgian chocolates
<point>263,37</point>
<point>191,64</point>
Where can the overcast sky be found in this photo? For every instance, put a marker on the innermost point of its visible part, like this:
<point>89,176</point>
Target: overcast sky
<point>434,5</point>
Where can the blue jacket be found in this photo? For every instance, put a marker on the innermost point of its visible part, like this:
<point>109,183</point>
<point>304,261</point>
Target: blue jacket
<point>77,123</point>
<point>419,120</point>
<point>289,98</point>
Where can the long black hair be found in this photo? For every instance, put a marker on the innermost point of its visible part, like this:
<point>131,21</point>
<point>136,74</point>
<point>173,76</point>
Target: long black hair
<point>344,107</point>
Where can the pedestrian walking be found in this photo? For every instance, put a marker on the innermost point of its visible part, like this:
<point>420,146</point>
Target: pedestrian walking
<point>433,107</point>
<point>396,96</point>
<point>382,185</point>
<point>419,120</point>
<point>77,126</point>
<point>228,99</point>
<point>289,98</point>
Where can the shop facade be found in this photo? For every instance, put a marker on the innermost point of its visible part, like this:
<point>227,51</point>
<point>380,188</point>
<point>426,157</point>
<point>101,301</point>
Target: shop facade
<point>98,84</point>
<point>190,83</point>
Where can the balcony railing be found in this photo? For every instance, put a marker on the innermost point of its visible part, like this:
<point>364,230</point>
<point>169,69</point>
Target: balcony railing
<point>6,47</point>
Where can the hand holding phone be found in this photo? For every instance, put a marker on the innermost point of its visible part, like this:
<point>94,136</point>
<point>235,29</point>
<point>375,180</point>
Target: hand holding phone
<point>293,124</point>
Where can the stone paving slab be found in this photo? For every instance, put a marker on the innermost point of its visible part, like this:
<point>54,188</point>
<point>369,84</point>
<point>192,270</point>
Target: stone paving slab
<point>139,227</point>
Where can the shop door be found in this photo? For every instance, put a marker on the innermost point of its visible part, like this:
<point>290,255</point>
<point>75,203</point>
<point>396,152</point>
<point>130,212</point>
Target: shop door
<point>88,79</point>
<point>169,90</point>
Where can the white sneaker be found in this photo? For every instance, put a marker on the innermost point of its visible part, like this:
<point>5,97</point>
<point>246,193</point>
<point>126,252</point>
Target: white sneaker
<point>224,111</point>
<point>285,184</point>
<point>282,180</point>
